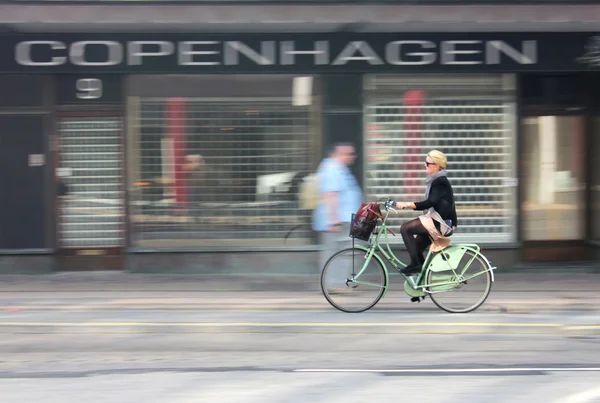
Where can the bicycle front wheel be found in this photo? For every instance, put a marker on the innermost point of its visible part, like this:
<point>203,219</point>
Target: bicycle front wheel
<point>464,291</point>
<point>349,288</point>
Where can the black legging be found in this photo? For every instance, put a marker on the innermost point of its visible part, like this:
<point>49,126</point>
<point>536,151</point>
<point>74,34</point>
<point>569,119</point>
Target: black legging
<point>415,245</point>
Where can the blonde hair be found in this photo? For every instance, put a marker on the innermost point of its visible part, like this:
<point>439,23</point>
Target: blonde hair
<point>439,158</point>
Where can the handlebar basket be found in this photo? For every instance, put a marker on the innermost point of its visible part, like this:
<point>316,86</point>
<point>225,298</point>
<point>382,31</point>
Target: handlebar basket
<point>364,221</point>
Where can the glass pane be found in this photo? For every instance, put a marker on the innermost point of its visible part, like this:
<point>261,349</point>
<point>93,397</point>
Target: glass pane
<point>468,117</point>
<point>595,178</point>
<point>221,160</point>
<point>553,178</point>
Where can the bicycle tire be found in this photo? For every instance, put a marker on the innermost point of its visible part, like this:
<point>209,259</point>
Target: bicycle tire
<point>374,260</point>
<point>436,297</point>
<point>291,231</point>
<point>298,229</point>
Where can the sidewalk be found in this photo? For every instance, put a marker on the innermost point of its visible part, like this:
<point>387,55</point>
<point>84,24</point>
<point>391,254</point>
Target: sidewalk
<point>524,292</point>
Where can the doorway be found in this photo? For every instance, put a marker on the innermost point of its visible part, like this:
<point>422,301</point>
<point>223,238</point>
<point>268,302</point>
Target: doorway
<point>553,207</point>
<point>22,167</point>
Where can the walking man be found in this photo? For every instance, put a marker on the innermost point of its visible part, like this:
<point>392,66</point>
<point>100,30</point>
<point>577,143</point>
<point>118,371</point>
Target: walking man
<point>339,197</point>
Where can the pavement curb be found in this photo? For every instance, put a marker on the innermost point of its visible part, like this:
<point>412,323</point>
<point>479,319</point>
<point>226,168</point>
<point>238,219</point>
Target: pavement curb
<point>517,308</point>
<point>551,329</point>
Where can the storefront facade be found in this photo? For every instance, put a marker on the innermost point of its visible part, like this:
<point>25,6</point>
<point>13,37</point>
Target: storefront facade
<point>196,147</point>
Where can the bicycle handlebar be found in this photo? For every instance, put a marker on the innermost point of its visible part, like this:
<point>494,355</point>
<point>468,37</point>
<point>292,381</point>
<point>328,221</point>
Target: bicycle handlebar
<point>389,204</point>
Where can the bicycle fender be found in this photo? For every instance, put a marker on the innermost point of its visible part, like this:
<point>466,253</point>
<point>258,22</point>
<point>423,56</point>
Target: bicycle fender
<point>450,257</point>
<point>489,264</point>
<point>477,251</point>
<point>447,259</point>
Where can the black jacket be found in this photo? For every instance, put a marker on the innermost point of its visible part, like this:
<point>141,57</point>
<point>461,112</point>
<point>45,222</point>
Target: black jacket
<point>441,198</point>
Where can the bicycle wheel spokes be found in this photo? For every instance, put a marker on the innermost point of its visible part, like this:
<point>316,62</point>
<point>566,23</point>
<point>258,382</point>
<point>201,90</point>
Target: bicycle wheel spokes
<point>464,291</point>
<point>347,286</point>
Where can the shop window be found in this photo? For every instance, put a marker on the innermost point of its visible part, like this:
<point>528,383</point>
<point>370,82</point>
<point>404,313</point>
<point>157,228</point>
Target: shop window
<point>220,161</point>
<point>471,118</point>
<point>595,178</point>
<point>553,178</point>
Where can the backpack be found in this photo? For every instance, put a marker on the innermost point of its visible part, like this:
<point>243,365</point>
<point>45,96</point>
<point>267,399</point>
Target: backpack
<point>308,192</point>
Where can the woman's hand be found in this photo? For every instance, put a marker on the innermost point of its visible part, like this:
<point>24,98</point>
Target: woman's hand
<point>405,205</point>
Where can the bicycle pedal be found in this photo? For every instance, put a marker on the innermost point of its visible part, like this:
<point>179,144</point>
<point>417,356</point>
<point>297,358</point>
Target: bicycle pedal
<point>417,299</point>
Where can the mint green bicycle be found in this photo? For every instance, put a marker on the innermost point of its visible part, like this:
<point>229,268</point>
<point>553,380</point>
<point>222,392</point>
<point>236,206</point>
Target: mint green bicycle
<point>458,279</point>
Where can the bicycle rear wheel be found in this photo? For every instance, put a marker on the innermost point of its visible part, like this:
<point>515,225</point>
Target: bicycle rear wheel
<point>341,287</point>
<point>470,288</point>
<point>299,235</point>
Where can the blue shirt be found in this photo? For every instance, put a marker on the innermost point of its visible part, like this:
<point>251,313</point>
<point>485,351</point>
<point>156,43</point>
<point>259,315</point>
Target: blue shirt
<point>333,176</point>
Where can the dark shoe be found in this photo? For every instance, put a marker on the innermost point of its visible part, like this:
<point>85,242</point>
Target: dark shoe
<point>412,269</point>
<point>417,299</point>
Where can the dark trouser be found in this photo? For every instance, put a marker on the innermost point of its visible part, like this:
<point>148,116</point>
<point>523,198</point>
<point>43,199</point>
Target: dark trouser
<point>416,239</point>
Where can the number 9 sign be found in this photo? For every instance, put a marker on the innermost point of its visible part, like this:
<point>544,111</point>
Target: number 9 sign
<point>89,88</point>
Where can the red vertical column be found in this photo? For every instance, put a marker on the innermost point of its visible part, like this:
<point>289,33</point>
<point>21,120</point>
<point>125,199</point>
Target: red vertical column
<point>414,99</point>
<point>375,147</point>
<point>176,132</point>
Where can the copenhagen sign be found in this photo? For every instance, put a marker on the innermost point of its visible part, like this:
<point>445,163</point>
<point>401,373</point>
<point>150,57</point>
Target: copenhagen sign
<point>255,54</point>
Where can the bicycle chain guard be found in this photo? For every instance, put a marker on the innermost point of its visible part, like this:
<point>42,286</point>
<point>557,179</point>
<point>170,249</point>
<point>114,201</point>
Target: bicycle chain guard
<point>411,291</point>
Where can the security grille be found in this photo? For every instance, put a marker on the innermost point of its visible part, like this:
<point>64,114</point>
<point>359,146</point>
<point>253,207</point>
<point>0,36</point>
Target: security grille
<point>471,118</point>
<point>91,214</point>
<point>219,171</point>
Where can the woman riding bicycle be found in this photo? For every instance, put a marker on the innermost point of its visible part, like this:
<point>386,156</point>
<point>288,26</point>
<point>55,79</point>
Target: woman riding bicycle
<point>439,220</point>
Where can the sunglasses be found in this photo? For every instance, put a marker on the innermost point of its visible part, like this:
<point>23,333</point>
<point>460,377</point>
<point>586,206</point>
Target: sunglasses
<point>429,163</point>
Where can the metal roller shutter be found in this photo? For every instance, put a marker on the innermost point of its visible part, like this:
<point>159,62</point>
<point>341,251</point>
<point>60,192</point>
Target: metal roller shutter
<point>92,213</point>
<point>244,190</point>
<point>471,118</point>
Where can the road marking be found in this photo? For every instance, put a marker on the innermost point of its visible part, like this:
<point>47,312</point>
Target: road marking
<point>583,397</point>
<point>587,327</point>
<point>457,370</point>
<point>279,324</point>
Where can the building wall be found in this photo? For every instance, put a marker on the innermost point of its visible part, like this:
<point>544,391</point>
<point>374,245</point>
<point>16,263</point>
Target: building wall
<point>162,161</point>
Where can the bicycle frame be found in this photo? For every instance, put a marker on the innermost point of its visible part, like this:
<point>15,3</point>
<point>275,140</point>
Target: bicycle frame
<point>398,264</point>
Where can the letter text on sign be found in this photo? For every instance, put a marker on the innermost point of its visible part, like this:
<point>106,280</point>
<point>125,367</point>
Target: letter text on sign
<point>23,53</point>
<point>393,53</point>
<point>527,56</point>
<point>77,53</point>
<point>362,47</point>
<point>288,52</point>
<point>449,52</point>
<point>234,48</point>
<point>187,52</point>
<point>136,52</point>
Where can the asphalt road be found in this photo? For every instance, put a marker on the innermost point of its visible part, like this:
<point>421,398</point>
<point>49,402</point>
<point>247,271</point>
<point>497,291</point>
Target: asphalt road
<point>475,362</point>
